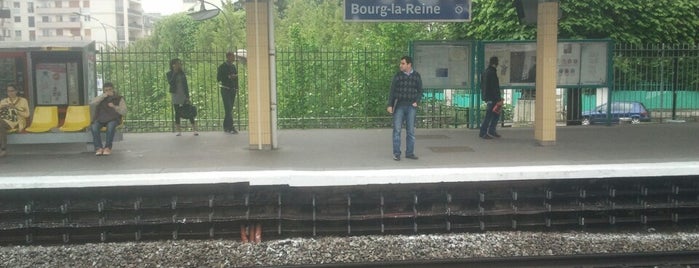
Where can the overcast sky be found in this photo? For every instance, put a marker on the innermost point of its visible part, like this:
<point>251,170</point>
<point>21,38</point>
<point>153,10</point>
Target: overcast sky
<point>165,7</point>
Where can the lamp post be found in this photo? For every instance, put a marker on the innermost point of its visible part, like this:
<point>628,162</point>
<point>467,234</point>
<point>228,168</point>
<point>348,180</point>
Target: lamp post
<point>104,27</point>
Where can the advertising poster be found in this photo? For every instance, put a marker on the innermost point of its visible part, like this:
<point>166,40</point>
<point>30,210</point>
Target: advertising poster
<point>503,52</point>
<point>593,65</point>
<point>517,62</point>
<point>568,64</point>
<point>72,79</point>
<point>51,84</point>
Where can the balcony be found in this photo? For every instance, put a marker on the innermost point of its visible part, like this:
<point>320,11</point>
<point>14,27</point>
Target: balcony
<point>56,10</point>
<point>58,25</point>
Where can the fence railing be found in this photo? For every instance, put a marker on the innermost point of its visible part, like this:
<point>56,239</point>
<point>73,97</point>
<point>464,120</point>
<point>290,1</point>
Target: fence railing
<point>349,89</point>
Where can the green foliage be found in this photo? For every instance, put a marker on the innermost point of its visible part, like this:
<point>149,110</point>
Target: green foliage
<point>175,32</point>
<point>631,21</point>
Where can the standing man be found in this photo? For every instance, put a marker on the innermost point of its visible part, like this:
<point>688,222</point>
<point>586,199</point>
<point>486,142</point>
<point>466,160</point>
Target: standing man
<point>227,75</point>
<point>406,93</point>
<point>490,86</point>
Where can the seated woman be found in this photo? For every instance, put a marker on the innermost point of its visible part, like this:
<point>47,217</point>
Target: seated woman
<point>14,111</point>
<point>109,108</point>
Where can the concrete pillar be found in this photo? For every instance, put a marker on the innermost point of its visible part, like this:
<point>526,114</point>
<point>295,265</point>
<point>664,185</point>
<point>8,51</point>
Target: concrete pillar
<point>259,95</point>
<point>546,72</point>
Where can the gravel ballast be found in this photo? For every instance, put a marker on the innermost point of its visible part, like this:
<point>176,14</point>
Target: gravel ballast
<point>326,250</point>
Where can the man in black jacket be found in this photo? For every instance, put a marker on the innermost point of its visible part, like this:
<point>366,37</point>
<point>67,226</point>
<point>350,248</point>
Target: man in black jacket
<point>227,75</point>
<point>490,85</point>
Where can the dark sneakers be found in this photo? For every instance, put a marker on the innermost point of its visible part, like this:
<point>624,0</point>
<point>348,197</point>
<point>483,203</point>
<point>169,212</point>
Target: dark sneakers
<point>496,135</point>
<point>396,157</point>
<point>486,137</point>
<point>412,156</point>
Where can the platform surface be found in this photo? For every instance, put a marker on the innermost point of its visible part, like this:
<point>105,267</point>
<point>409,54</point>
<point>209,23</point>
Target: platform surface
<point>320,157</point>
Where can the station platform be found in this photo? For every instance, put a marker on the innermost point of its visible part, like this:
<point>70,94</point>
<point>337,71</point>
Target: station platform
<point>338,157</point>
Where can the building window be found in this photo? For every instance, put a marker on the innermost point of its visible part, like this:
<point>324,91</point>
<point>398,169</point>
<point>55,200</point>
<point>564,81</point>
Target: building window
<point>15,4</point>
<point>18,34</point>
<point>45,19</point>
<point>32,35</point>
<point>46,32</point>
<point>86,4</point>
<point>59,4</point>
<point>30,7</point>
<point>18,19</point>
<point>31,22</point>
<point>74,4</point>
<point>59,32</point>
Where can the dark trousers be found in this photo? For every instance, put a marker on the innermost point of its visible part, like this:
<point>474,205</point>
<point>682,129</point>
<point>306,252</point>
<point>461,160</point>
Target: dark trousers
<point>228,97</point>
<point>490,121</point>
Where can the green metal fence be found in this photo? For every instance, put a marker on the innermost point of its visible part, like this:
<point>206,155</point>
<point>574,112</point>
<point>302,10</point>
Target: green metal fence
<point>140,77</point>
<point>348,89</point>
<point>665,78</point>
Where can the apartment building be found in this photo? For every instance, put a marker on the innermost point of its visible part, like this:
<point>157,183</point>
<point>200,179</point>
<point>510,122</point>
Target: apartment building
<point>108,22</point>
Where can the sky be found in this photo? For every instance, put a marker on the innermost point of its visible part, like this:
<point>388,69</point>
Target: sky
<point>165,7</point>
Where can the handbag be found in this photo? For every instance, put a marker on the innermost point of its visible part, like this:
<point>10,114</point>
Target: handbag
<point>9,114</point>
<point>188,111</point>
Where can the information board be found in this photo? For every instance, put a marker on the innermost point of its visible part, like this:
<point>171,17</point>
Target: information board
<point>443,65</point>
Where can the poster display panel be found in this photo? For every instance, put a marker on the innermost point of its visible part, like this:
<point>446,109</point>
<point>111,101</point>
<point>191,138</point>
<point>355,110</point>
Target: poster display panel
<point>578,63</point>
<point>517,62</point>
<point>443,65</point>
<point>568,64</point>
<point>593,64</point>
<point>51,84</point>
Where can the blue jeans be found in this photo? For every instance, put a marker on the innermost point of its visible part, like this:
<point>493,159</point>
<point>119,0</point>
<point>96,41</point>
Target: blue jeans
<point>97,137</point>
<point>490,121</point>
<point>405,113</point>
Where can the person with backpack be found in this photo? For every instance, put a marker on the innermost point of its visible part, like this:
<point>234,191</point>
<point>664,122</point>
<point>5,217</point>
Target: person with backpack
<point>490,92</point>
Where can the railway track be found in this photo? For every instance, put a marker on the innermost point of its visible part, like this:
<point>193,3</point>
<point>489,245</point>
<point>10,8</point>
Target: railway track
<point>648,259</point>
<point>242,211</point>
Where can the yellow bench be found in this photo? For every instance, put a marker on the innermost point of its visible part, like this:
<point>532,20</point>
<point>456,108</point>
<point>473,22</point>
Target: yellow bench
<point>44,119</point>
<point>77,118</point>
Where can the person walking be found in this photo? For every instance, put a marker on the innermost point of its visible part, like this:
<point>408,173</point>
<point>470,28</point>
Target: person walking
<point>14,111</point>
<point>227,76</point>
<point>109,109</point>
<point>490,91</point>
<point>405,95</point>
<point>179,91</point>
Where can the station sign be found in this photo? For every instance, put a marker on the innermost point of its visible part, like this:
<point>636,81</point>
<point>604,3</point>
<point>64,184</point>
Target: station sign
<point>407,10</point>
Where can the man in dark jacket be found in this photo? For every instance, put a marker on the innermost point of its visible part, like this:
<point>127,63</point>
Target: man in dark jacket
<point>227,75</point>
<point>490,85</point>
<point>406,93</point>
<point>109,109</point>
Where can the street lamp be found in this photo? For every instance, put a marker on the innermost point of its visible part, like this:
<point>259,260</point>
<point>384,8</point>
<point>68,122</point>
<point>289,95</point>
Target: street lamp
<point>104,27</point>
<point>204,14</point>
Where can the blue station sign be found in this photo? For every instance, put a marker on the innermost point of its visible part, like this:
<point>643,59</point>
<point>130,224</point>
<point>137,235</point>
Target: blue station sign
<point>407,10</point>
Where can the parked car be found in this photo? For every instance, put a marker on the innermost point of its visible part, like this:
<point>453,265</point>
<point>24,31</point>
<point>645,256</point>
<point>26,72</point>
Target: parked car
<point>633,111</point>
